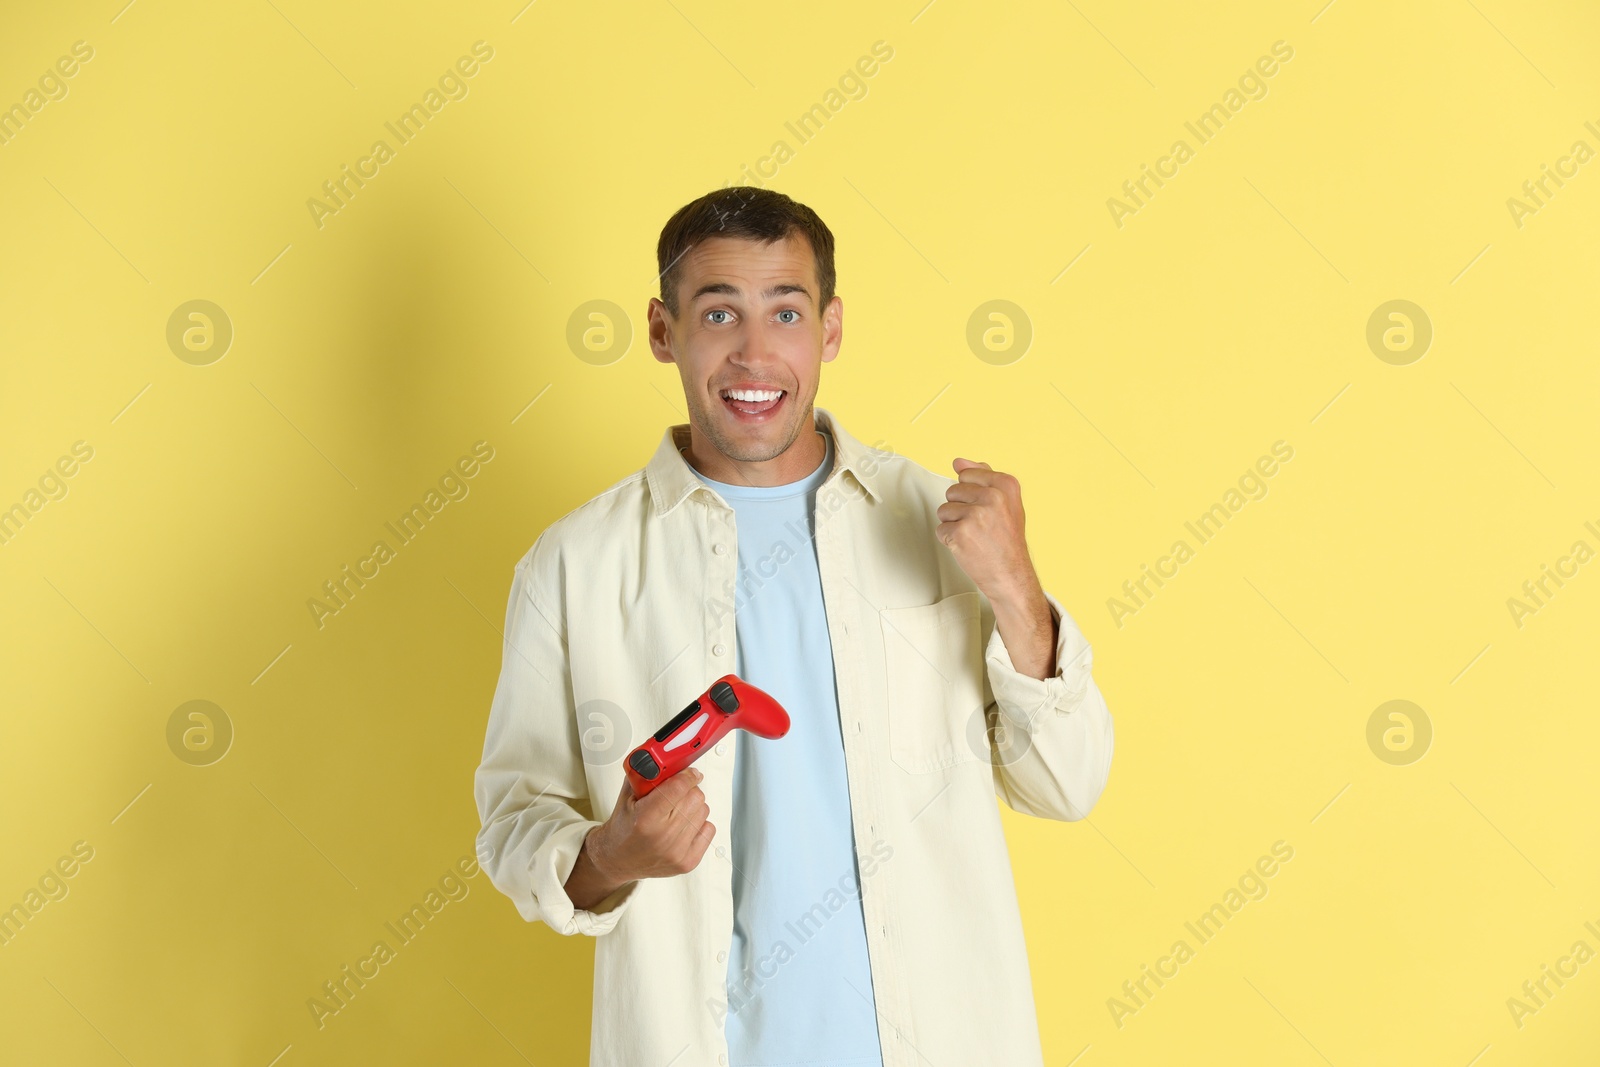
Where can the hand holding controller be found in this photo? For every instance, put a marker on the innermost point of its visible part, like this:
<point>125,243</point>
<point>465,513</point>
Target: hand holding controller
<point>659,826</point>
<point>662,835</point>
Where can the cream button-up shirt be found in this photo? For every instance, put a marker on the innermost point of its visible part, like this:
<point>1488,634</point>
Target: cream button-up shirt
<point>622,612</point>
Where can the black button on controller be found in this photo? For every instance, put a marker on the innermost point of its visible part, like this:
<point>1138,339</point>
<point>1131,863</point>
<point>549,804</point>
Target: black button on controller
<point>642,762</point>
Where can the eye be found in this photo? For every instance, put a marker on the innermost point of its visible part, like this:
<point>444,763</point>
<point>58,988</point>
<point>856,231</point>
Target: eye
<point>790,311</point>
<point>718,311</point>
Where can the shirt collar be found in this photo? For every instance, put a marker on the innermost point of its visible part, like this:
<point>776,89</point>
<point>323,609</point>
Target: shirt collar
<point>671,479</point>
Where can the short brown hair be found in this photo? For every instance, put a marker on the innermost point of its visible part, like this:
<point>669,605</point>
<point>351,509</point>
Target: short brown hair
<point>742,211</point>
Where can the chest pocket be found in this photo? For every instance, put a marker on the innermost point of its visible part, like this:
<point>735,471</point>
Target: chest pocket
<point>933,665</point>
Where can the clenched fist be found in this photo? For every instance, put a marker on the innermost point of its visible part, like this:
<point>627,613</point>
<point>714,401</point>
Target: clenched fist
<point>664,834</point>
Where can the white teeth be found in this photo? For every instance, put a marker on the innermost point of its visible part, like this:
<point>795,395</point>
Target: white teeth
<point>753,395</point>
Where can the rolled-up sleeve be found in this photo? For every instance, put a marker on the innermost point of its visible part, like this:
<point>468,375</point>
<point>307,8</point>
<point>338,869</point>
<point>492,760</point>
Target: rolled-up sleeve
<point>1052,737</point>
<point>531,790</point>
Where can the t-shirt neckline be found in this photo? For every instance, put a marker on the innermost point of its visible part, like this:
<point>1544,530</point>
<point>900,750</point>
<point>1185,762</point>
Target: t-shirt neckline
<point>774,492</point>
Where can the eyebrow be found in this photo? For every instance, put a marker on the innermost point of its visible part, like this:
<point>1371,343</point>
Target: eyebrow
<point>728,289</point>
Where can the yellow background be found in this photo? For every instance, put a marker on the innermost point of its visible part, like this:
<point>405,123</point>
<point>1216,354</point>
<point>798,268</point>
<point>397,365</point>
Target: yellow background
<point>1230,312</point>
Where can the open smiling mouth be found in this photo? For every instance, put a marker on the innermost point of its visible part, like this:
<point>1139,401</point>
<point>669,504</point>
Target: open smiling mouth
<point>753,405</point>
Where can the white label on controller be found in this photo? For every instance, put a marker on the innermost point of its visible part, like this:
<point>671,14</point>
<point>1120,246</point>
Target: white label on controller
<point>687,733</point>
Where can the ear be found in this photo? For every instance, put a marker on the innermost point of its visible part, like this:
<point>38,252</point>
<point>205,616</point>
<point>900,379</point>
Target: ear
<point>660,331</point>
<point>832,328</point>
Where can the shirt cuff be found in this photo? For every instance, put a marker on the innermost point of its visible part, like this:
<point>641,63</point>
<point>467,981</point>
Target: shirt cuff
<point>552,866</point>
<point>1022,698</point>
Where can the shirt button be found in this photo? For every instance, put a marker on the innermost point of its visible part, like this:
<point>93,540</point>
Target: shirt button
<point>721,956</point>
<point>721,851</point>
<point>719,749</point>
<point>717,650</point>
<point>720,549</point>
<point>722,1059</point>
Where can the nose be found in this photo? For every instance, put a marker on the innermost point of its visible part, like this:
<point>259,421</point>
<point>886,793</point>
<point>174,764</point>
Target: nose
<point>754,348</point>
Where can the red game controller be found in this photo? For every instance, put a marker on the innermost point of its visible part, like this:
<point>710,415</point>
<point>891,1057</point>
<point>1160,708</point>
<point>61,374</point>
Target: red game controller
<point>730,703</point>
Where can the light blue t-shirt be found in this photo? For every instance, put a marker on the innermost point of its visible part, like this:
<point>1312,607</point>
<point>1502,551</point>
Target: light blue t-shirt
<point>799,939</point>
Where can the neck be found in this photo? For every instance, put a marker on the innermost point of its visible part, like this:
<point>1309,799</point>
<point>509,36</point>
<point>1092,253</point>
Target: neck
<point>792,464</point>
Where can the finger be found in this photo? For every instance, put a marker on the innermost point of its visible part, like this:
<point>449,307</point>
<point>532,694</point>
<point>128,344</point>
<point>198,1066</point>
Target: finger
<point>687,821</point>
<point>695,815</point>
<point>954,512</point>
<point>967,492</point>
<point>981,475</point>
<point>690,802</point>
<point>678,784</point>
<point>683,798</point>
<point>702,841</point>
<point>978,493</point>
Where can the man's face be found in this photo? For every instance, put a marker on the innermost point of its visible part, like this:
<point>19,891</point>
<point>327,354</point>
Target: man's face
<point>748,321</point>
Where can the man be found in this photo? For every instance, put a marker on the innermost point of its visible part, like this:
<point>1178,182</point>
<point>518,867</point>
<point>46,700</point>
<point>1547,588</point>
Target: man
<point>841,896</point>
